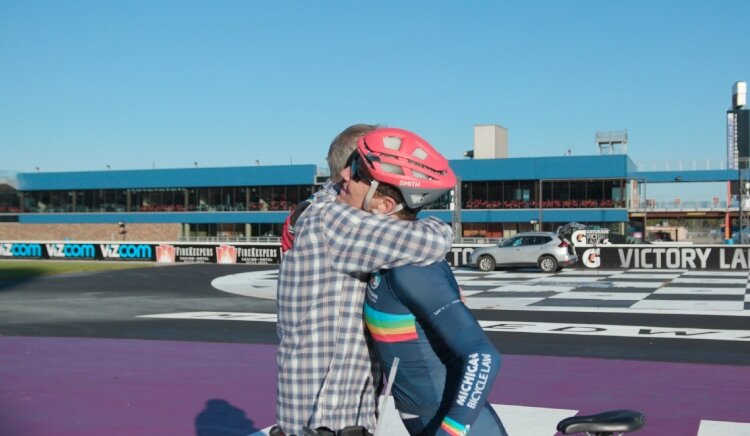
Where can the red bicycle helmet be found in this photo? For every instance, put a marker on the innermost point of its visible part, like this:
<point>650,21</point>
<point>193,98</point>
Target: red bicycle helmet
<point>407,162</point>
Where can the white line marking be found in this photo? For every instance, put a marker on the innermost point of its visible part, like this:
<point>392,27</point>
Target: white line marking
<point>223,316</point>
<point>716,273</point>
<point>530,288</point>
<point>615,330</point>
<point>532,421</point>
<point>652,311</point>
<point>610,296</point>
<point>588,271</point>
<point>700,291</point>
<point>650,285</point>
<point>691,305</point>
<point>628,276</point>
<point>711,280</point>
<point>517,327</point>
<point>566,279</point>
<point>723,428</point>
<point>499,303</point>
<point>541,421</point>
<point>489,283</point>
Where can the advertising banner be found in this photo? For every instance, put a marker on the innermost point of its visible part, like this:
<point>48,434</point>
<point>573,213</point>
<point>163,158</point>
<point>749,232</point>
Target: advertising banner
<point>593,249</point>
<point>259,254</point>
<point>160,252</point>
<point>590,237</point>
<point>127,251</point>
<point>21,250</point>
<point>690,257</point>
<point>76,251</point>
<point>459,254</point>
<point>219,253</point>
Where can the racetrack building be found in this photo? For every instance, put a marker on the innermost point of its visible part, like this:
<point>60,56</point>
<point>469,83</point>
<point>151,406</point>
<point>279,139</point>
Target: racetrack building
<point>498,197</point>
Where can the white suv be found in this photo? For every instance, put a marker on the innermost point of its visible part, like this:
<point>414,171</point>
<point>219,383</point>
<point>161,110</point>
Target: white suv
<point>545,250</point>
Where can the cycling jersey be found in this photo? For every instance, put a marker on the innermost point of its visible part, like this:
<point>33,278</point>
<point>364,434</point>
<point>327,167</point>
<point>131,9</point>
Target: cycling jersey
<point>446,362</point>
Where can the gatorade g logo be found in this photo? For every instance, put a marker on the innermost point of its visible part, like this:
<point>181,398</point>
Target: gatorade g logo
<point>20,250</point>
<point>71,250</point>
<point>591,258</point>
<point>590,237</point>
<point>126,251</point>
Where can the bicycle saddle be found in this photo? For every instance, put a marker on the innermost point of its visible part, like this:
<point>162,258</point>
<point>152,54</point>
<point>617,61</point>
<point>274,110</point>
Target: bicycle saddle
<point>611,421</point>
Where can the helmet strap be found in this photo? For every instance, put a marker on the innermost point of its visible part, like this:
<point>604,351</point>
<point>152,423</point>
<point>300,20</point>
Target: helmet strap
<point>371,193</point>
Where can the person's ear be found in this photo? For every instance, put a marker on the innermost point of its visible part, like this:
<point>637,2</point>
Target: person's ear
<point>386,205</point>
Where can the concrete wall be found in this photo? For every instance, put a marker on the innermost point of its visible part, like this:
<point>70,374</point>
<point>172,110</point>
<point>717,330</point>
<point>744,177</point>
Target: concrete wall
<point>88,232</point>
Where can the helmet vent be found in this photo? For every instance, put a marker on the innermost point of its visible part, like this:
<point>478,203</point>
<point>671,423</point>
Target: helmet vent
<point>392,142</point>
<point>419,175</point>
<point>419,154</point>
<point>417,198</point>
<point>392,169</point>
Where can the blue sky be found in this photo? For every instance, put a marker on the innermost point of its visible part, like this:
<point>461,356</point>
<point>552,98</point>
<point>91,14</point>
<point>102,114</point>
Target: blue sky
<point>142,84</point>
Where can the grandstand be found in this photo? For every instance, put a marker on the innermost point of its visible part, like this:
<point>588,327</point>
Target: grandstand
<point>498,197</point>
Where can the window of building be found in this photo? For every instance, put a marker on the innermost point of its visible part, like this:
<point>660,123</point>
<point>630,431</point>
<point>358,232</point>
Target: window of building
<point>10,202</point>
<point>157,200</point>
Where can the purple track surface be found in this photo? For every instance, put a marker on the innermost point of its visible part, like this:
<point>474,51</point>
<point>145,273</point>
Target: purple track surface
<point>70,386</point>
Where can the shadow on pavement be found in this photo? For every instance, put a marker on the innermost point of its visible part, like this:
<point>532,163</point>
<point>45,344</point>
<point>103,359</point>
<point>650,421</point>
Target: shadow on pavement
<point>220,418</point>
<point>10,282</point>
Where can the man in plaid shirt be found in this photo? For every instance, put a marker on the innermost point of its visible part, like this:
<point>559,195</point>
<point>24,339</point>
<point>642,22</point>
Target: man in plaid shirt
<point>326,376</point>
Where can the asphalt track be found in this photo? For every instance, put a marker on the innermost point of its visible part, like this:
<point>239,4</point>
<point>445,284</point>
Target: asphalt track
<point>77,357</point>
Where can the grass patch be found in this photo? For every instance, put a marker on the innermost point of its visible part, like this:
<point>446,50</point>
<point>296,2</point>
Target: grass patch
<point>20,269</point>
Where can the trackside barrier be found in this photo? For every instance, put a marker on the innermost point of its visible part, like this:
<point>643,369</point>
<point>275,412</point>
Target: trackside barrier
<point>163,252</point>
<point>665,257</point>
<point>630,256</point>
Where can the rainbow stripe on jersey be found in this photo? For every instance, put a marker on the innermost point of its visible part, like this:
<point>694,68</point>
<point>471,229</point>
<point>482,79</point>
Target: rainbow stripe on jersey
<point>388,327</point>
<point>452,427</point>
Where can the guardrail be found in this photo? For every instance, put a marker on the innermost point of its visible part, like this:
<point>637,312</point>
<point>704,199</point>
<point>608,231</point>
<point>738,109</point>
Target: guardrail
<point>277,239</point>
<point>679,205</point>
<point>251,239</point>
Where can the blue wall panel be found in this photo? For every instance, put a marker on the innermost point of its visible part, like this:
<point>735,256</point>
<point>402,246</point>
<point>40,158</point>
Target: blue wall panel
<point>547,168</point>
<point>171,178</point>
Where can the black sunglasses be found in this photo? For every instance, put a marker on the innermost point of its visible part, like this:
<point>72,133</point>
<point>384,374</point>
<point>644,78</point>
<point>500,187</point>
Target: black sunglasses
<point>358,171</point>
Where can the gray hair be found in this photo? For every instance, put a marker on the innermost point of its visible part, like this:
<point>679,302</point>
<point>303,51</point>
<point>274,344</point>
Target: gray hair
<point>343,145</point>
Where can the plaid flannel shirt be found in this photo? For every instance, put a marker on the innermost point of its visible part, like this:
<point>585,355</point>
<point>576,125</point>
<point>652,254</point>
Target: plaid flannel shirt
<point>326,375</point>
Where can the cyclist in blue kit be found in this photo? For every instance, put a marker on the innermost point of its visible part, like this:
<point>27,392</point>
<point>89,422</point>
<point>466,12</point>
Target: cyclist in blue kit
<point>447,364</point>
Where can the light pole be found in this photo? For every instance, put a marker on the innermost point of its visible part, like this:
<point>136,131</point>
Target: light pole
<point>742,192</point>
<point>739,199</point>
<point>541,210</point>
<point>455,205</point>
<point>645,211</point>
